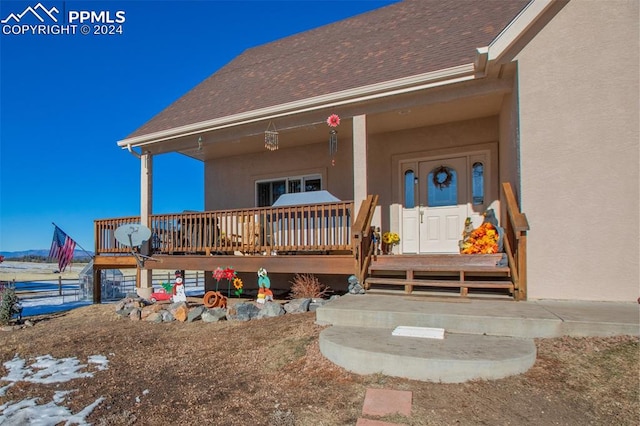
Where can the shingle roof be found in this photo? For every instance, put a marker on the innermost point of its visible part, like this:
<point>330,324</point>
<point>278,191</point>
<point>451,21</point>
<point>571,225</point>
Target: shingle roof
<point>400,40</point>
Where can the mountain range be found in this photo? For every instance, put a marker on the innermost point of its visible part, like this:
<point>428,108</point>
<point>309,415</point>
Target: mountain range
<point>77,254</point>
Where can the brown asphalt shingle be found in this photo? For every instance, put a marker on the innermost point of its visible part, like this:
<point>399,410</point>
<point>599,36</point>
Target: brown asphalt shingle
<point>400,40</point>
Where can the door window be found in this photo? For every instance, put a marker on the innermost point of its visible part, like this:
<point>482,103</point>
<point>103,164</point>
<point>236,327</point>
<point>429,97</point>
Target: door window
<point>477,183</point>
<point>409,189</point>
<point>442,187</point>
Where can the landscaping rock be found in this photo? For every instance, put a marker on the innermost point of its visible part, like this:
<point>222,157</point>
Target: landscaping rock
<point>270,309</point>
<point>316,303</point>
<point>154,317</point>
<point>173,308</point>
<point>354,285</point>
<point>195,313</point>
<point>124,312</point>
<point>296,306</point>
<point>167,316</point>
<point>214,314</point>
<point>242,312</point>
<point>181,313</point>
<point>135,314</point>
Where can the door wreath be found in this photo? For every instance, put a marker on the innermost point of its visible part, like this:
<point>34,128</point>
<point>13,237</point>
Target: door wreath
<point>442,177</point>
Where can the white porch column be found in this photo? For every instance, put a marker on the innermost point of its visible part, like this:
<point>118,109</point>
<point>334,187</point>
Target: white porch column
<point>359,161</point>
<point>146,198</point>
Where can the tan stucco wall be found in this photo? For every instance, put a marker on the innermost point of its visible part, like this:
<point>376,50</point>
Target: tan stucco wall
<point>509,150</point>
<point>579,132</point>
<point>230,181</point>
<point>385,150</point>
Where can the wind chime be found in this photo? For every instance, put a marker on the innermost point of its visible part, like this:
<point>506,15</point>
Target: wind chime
<point>271,137</point>
<point>333,121</point>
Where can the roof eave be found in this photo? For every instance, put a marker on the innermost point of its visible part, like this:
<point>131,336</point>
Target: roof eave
<point>360,94</point>
<point>508,37</point>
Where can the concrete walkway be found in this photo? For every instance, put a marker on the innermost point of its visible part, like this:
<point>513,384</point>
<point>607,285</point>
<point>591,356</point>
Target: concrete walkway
<point>486,317</point>
<point>484,339</point>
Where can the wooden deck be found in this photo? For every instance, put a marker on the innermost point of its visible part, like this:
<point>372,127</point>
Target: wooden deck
<point>321,238</point>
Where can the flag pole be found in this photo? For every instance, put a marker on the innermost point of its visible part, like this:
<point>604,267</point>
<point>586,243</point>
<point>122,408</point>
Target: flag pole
<point>77,245</point>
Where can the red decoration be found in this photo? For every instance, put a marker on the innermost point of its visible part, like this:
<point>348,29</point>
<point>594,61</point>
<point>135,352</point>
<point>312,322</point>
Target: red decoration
<point>333,120</point>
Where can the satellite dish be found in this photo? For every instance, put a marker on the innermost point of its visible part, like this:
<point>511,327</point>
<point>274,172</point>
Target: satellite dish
<point>132,234</point>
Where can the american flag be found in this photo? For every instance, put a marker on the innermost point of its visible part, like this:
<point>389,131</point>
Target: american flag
<point>62,248</point>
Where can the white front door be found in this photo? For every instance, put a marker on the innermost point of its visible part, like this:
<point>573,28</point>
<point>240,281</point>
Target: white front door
<point>435,224</point>
<point>443,195</point>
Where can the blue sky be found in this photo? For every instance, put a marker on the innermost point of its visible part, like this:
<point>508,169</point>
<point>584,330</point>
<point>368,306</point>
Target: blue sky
<point>65,100</point>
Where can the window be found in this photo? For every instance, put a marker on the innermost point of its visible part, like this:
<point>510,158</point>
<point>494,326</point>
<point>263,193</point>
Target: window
<point>477,183</point>
<point>409,189</point>
<point>442,187</point>
<point>267,192</point>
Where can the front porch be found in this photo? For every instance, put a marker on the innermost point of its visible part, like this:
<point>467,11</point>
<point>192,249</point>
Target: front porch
<point>319,238</point>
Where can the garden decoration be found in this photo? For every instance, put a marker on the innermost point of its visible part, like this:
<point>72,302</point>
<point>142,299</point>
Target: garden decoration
<point>214,299</point>
<point>466,233</point>
<point>178,290</point>
<point>228,274</point>
<point>375,240</point>
<point>238,285</point>
<point>333,121</point>
<point>264,283</point>
<point>389,239</point>
<point>168,287</point>
<point>485,239</point>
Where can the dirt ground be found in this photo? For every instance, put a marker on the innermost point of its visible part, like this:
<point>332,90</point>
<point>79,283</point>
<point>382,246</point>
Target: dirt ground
<point>271,372</point>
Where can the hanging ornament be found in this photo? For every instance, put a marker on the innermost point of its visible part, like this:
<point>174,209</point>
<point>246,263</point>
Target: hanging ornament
<point>333,121</point>
<point>271,137</point>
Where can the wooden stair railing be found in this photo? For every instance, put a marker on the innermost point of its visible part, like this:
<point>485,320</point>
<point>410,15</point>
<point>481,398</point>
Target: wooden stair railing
<point>361,237</point>
<point>515,242</point>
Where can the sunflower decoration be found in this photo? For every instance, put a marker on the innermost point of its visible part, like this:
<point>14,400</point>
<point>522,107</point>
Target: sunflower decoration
<point>482,240</point>
<point>389,239</point>
<point>238,285</point>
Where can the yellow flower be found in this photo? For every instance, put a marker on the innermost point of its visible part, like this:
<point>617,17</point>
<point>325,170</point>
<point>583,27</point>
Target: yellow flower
<point>390,238</point>
<point>237,283</point>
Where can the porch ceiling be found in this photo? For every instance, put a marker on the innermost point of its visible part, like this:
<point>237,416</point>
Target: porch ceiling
<point>465,102</point>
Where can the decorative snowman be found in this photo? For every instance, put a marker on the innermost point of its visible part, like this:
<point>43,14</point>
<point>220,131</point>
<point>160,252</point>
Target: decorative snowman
<point>178,290</point>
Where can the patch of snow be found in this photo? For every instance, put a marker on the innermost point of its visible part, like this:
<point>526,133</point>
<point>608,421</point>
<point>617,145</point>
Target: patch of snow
<point>101,361</point>
<point>46,370</point>
<point>28,412</point>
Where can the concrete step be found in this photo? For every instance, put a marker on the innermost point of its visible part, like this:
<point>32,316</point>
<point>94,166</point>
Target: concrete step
<point>477,316</point>
<point>455,359</point>
<point>508,318</point>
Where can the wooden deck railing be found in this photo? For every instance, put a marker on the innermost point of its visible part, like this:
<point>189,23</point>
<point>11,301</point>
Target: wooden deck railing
<point>515,242</point>
<point>324,227</point>
<point>362,237</point>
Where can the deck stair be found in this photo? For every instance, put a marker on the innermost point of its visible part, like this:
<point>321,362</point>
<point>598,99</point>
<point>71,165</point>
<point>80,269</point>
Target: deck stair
<point>444,272</point>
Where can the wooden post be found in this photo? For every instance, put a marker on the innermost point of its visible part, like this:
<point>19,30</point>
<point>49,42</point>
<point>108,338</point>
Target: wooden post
<point>59,285</point>
<point>522,266</point>
<point>97,286</point>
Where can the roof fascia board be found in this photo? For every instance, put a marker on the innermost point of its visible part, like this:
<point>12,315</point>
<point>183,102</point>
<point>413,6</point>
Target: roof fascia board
<point>516,28</point>
<point>364,93</point>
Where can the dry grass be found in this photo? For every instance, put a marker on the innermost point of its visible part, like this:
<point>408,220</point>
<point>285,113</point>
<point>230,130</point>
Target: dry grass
<point>271,372</point>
